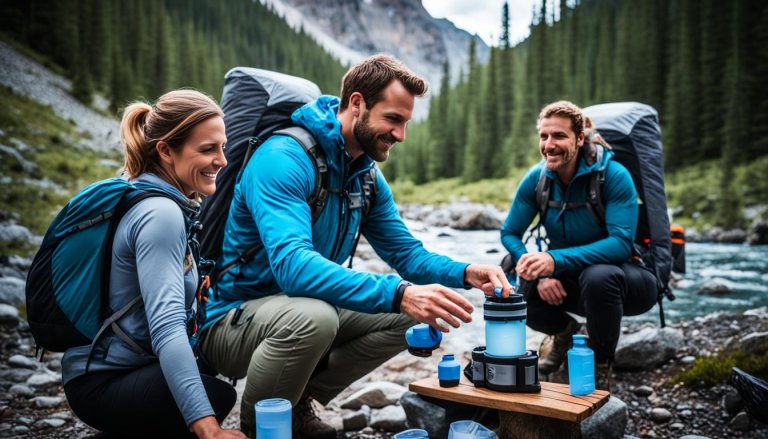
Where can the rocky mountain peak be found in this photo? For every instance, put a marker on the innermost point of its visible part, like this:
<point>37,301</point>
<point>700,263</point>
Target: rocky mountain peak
<point>354,29</point>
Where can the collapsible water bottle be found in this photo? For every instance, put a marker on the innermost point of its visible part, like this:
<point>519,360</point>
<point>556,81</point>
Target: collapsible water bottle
<point>448,371</point>
<point>422,339</point>
<point>273,419</point>
<point>505,325</point>
<point>581,367</point>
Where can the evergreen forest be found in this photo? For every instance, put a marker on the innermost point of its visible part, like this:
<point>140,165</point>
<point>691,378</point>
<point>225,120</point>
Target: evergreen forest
<point>131,48</point>
<point>702,64</point>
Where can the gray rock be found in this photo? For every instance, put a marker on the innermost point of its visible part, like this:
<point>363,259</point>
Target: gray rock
<point>643,391</point>
<point>11,232</point>
<point>12,291</point>
<point>54,364</point>
<point>390,418</point>
<point>676,426</point>
<point>67,416</point>
<point>608,422</point>
<point>45,424</point>
<point>758,234</point>
<point>20,361</point>
<point>474,217</point>
<point>715,287</point>
<point>732,401</point>
<point>761,312</point>
<point>375,395</point>
<point>20,430</point>
<point>5,427</point>
<point>47,402</point>
<point>9,315</point>
<point>22,390</point>
<point>688,359</point>
<point>755,343</point>
<point>686,414</point>
<point>16,375</point>
<point>424,415</point>
<point>740,422</point>
<point>660,415</point>
<point>44,380</point>
<point>693,436</point>
<point>357,420</point>
<point>734,236</point>
<point>25,420</point>
<point>647,348</point>
<point>25,165</point>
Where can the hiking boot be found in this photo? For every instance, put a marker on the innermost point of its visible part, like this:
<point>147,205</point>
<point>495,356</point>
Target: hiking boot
<point>603,375</point>
<point>554,348</point>
<point>306,423</point>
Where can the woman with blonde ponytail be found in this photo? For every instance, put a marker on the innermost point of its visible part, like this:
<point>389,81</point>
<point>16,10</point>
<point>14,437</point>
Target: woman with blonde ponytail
<point>152,387</point>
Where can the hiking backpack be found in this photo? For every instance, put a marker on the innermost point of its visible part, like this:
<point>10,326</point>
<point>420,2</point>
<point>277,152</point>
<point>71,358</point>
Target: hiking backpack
<point>258,104</point>
<point>633,132</point>
<point>67,290</point>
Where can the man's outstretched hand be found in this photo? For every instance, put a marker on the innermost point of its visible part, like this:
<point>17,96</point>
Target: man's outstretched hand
<point>427,303</point>
<point>487,278</point>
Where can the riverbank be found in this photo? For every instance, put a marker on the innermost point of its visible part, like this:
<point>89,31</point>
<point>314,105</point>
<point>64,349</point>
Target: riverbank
<point>32,403</point>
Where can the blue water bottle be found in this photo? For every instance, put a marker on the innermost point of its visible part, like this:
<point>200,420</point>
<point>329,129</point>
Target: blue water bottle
<point>581,366</point>
<point>448,371</point>
<point>273,419</point>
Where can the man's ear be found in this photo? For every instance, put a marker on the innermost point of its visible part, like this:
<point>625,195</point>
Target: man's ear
<point>356,103</point>
<point>164,151</point>
<point>580,140</point>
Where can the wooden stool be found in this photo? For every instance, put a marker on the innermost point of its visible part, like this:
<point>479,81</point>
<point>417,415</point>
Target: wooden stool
<point>551,413</point>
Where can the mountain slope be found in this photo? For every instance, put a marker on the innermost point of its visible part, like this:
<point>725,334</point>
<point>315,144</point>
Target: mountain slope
<point>352,30</point>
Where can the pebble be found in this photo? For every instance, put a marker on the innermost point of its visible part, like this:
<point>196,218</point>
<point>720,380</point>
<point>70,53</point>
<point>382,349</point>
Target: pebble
<point>686,413</point>
<point>48,423</point>
<point>660,415</point>
<point>47,402</point>
<point>5,426</point>
<point>9,315</point>
<point>688,359</point>
<point>62,415</point>
<point>16,375</point>
<point>677,426</point>
<point>643,391</point>
<point>20,429</point>
<point>20,361</point>
<point>43,380</point>
<point>25,420</point>
<point>22,390</point>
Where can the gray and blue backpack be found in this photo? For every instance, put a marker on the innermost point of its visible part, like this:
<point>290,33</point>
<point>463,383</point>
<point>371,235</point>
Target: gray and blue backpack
<point>68,283</point>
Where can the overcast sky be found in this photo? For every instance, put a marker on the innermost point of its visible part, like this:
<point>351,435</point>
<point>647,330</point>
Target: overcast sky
<point>483,17</point>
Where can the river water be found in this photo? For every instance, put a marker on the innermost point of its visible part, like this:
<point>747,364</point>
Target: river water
<point>743,268</point>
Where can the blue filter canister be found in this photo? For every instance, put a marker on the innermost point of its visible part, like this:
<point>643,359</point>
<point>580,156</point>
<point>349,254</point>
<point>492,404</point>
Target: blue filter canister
<point>505,325</point>
<point>273,419</point>
<point>448,371</point>
<point>581,366</point>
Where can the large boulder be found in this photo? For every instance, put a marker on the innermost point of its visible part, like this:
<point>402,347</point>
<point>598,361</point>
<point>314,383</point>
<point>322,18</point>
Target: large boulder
<point>647,348</point>
<point>425,415</point>
<point>715,287</point>
<point>12,291</point>
<point>608,422</point>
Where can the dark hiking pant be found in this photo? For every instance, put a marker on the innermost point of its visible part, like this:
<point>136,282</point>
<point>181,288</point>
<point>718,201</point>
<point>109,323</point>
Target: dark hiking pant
<point>603,293</point>
<point>139,403</point>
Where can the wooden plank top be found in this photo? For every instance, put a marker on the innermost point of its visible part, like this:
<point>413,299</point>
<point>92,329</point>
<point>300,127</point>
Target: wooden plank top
<point>554,400</point>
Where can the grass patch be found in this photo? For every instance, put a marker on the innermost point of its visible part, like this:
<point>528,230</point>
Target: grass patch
<point>498,192</point>
<point>32,195</point>
<point>713,371</point>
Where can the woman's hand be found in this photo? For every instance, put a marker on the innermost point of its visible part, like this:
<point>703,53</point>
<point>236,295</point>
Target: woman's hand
<point>209,428</point>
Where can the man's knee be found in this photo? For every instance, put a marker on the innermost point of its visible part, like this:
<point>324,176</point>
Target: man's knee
<point>601,281</point>
<point>311,318</point>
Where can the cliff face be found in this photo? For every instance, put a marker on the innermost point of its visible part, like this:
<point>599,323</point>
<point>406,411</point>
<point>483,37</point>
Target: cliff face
<point>354,29</point>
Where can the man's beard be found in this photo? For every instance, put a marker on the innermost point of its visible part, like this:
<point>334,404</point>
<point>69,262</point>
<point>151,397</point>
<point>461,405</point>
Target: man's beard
<point>367,139</point>
<point>566,157</point>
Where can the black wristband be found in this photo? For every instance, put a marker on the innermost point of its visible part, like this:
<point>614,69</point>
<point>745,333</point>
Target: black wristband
<point>399,292</point>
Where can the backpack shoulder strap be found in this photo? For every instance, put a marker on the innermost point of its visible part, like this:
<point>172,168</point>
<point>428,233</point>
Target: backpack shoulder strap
<point>595,203</point>
<point>543,188</point>
<point>370,190</point>
<point>307,141</point>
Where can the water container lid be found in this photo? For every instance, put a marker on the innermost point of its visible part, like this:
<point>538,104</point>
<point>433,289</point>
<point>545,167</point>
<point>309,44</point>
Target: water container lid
<point>505,308</point>
<point>273,405</point>
<point>579,338</point>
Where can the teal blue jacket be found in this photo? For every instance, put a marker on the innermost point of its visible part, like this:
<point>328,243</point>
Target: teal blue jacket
<point>269,210</point>
<point>576,239</point>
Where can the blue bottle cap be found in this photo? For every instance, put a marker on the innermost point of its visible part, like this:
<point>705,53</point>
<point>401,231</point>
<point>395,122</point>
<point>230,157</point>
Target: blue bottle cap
<point>497,291</point>
<point>422,339</point>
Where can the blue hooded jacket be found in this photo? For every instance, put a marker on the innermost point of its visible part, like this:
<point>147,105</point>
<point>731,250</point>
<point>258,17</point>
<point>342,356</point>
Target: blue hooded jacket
<point>576,239</point>
<point>269,210</point>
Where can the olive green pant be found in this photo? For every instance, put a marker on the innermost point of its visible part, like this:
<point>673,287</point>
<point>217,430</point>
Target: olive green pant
<point>289,346</point>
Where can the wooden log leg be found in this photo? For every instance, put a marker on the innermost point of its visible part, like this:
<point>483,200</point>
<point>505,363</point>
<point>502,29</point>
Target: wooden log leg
<point>524,426</point>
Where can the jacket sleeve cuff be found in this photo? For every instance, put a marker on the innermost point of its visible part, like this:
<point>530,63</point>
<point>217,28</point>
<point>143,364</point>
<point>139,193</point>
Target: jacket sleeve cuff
<point>399,292</point>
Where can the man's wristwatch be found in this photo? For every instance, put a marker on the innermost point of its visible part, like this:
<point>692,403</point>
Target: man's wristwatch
<point>399,292</point>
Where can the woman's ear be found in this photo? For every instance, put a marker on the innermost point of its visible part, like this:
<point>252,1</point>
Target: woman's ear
<point>164,152</point>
